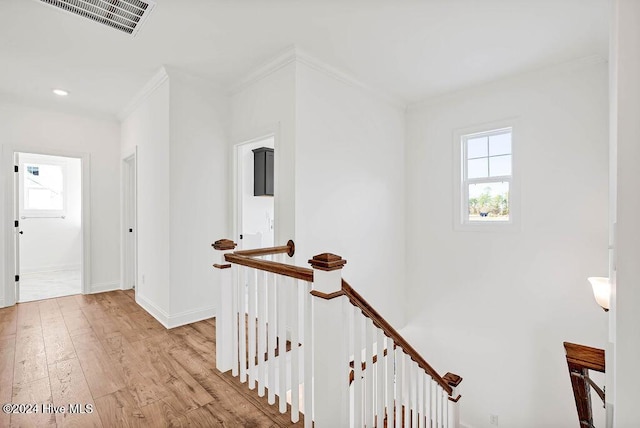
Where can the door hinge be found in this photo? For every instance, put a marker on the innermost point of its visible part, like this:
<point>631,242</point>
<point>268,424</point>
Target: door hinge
<point>17,278</point>
<point>16,223</point>
<point>240,236</point>
<point>15,168</point>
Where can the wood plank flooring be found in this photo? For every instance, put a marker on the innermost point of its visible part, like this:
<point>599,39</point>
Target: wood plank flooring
<point>105,351</point>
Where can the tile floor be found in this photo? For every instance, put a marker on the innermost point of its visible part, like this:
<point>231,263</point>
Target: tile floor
<point>45,285</point>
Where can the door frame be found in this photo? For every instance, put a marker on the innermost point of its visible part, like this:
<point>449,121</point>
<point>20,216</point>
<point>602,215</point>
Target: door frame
<point>237,181</point>
<point>7,167</point>
<point>129,184</point>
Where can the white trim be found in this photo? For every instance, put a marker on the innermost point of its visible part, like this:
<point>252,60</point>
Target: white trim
<point>294,54</point>
<point>188,317</point>
<point>2,303</point>
<point>514,185</point>
<point>176,320</point>
<point>160,315</point>
<point>50,268</point>
<point>276,63</point>
<point>6,170</point>
<point>104,286</point>
<point>149,87</point>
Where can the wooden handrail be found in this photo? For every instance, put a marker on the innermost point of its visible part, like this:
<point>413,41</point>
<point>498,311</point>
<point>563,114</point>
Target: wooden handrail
<point>304,274</point>
<point>581,359</point>
<point>288,249</point>
<point>357,300</point>
<point>246,258</point>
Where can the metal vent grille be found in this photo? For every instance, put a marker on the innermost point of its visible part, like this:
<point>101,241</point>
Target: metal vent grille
<point>124,15</point>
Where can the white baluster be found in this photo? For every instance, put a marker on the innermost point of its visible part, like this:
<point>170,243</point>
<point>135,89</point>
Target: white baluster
<point>235,275</point>
<point>414,397</point>
<point>282,343</point>
<point>242,302</point>
<point>358,334</point>
<point>389,371</point>
<point>262,331</point>
<point>251,300</point>
<point>427,399</point>
<point>307,346</point>
<point>379,369</point>
<point>295,354</point>
<point>271,337</point>
<point>407,390</point>
<point>369,408</point>
<point>420,397</point>
<point>438,406</point>
<point>399,396</point>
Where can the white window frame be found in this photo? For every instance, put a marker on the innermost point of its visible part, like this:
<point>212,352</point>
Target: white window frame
<point>25,159</point>
<point>461,182</point>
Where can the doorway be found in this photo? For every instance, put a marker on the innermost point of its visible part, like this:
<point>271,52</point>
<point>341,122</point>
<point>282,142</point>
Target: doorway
<point>49,238</point>
<point>129,242</point>
<point>255,214</point>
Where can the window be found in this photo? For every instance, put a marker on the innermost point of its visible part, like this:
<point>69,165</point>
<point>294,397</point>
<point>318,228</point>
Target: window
<point>486,177</point>
<point>43,188</point>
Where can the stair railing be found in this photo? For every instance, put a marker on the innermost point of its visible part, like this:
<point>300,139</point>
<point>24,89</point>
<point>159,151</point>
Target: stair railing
<point>308,338</point>
<point>581,359</point>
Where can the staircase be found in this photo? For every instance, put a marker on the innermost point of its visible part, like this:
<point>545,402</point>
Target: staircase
<point>317,349</point>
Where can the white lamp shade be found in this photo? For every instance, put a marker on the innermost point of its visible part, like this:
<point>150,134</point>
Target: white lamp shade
<point>601,291</point>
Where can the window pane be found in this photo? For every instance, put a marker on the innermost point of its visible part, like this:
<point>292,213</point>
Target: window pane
<point>500,165</point>
<point>489,202</point>
<point>500,144</point>
<point>477,168</point>
<point>43,187</point>
<point>477,147</point>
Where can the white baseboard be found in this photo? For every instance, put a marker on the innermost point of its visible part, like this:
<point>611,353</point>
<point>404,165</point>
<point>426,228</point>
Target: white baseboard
<point>153,310</point>
<point>51,268</point>
<point>175,320</point>
<point>2,302</point>
<point>104,286</point>
<point>188,317</point>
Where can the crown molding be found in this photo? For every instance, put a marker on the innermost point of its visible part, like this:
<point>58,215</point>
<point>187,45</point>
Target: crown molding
<point>264,70</point>
<point>551,70</point>
<point>149,87</point>
<point>296,55</point>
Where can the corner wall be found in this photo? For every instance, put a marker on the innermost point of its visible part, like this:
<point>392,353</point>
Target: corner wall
<point>350,185</point>
<point>495,307</point>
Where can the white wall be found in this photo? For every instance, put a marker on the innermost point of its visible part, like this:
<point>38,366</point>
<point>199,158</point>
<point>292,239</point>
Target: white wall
<point>495,307</point>
<point>50,244</point>
<point>24,128</point>
<point>199,188</point>
<point>267,106</point>
<point>147,128</point>
<point>257,211</point>
<point>178,127</point>
<point>350,185</point>
<point>625,106</point>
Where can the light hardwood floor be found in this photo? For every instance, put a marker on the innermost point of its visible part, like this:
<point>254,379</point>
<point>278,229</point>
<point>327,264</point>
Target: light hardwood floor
<point>104,350</point>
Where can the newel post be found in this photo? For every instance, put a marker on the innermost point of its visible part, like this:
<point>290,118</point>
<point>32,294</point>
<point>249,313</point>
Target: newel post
<point>454,407</point>
<point>330,358</point>
<point>224,316</point>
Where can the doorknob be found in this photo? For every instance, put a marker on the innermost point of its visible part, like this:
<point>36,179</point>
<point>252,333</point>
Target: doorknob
<point>21,232</point>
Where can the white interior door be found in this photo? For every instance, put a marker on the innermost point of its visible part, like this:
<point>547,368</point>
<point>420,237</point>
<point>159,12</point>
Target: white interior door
<point>16,216</point>
<point>130,222</point>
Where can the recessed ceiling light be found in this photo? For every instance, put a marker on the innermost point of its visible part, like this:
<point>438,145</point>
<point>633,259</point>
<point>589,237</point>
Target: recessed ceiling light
<point>60,92</point>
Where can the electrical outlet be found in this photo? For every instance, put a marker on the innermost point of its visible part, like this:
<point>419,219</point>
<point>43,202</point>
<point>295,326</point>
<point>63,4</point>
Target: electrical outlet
<point>493,420</point>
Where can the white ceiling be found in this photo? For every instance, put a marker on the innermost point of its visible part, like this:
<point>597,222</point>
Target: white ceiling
<point>408,49</point>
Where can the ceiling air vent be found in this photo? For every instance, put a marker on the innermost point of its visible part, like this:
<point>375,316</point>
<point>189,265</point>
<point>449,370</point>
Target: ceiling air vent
<point>123,15</point>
